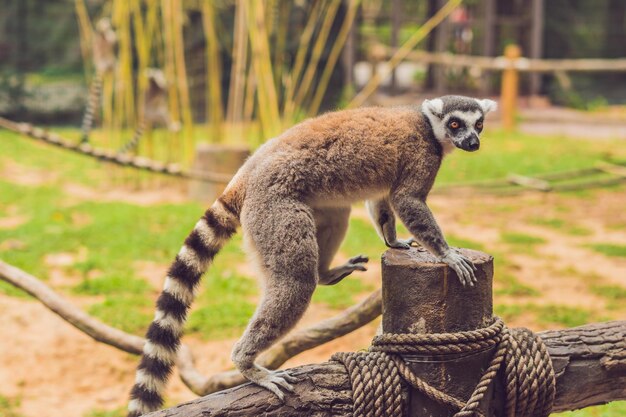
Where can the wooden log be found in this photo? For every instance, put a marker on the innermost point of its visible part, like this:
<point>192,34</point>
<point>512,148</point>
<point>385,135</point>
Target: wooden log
<point>529,182</point>
<point>589,361</point>
<point>421,295</point>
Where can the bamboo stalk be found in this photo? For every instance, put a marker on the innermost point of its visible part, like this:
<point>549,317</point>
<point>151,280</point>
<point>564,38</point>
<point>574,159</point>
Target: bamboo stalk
<point>261,60</point>
<point>338,45</point>
<point>238,69</point>
<point>318,49</point>
<point>182,82</point>
<point>281,42</point>
<point>85,30</point>
<point>107,106</point>
<point>249,102</point>
<point>403,51</point>
<point>170,71</point>
<point>142,46</point>
<point>303,47</point>
<point>155,49</point>
<point>215,114</point>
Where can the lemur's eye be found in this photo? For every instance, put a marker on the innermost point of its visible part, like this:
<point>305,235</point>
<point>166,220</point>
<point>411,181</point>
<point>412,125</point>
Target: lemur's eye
<point>454,124</point>
<point>479,125</point>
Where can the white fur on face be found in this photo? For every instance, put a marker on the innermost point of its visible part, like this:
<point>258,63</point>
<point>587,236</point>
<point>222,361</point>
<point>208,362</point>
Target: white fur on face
<point>433,109</point>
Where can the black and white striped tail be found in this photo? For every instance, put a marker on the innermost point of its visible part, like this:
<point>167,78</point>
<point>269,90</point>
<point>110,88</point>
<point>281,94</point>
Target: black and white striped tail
<point>132,144</point>
<point>93,104</point>
<point>163,338</point>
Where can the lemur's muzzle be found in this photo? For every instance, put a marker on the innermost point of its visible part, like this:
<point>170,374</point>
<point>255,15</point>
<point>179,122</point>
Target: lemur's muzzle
<point>470,143</point>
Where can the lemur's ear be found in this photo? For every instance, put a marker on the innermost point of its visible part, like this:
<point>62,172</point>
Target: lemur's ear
<point>488,105</point>
<point>433,107</point>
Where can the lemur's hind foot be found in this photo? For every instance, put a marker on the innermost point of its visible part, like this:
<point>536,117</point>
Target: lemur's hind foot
<point>335,275</point>
<point>274,381</point>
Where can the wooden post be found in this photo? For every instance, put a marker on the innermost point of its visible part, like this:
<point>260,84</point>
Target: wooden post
<point>217,159</point>
<point>421,295</point>
<point>510,88</point>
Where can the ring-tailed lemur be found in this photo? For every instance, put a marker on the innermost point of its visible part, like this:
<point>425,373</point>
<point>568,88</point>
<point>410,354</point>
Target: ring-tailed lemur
<point>292,199</point>
<point>104,58</point>
<point>155,109</point>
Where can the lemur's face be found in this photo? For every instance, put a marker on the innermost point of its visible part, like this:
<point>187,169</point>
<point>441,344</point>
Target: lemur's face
<point>457,121</point>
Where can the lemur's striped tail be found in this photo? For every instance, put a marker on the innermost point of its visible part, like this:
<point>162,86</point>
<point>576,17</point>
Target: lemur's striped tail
<point>93,104</point>
<point>163,338</point>
<point>132,144</point>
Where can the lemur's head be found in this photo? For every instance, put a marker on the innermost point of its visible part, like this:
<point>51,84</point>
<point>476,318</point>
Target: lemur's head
<point>457,120</point>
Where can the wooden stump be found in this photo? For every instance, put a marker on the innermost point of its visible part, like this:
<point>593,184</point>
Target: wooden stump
<point>219,159</point>
<point>421,295</point>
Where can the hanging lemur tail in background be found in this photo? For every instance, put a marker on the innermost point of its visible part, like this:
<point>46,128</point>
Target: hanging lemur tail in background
<point>93,104</point>
<point>132,144</point>
<point>163,337</point>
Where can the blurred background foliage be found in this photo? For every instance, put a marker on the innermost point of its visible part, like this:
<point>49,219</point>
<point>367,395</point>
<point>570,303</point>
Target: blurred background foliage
<point>40,49</point>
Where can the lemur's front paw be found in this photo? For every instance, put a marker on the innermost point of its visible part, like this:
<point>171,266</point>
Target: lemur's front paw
<point>463,267</point>
<point>402,243</point>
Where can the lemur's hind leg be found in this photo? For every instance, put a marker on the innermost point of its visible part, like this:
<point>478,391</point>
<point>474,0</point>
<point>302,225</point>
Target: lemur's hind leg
<point>286,250</point>
<point>332,224</point>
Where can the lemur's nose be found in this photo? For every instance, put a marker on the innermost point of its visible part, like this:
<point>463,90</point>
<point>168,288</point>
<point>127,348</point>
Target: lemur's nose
<point>471,143</point>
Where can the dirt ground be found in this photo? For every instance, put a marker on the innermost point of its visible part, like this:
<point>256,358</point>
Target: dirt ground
<point>57,371</point>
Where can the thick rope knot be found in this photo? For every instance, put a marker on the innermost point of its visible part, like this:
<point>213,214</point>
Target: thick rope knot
<point>376,375</point>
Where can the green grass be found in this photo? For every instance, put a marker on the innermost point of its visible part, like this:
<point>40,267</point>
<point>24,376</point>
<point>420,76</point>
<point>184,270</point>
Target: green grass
<point>508,311</point>
<point>130,313</point>
<point>614,409</point>
<point>614,295</point>
<point>502,153</point>
<point>118,412</point>
<point>515,238</point>
<point>9,406</point>
<point>561,226</point>
<point>563,315</point>
<point>225,305</point>
<point>509,285</point>
<point>618,251</point>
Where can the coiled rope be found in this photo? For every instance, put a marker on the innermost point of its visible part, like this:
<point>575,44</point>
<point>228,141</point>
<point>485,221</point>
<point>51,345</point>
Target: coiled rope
<point>378,376</point>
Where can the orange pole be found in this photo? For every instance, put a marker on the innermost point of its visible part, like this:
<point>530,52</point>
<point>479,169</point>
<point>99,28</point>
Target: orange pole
<point>510,88</point>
